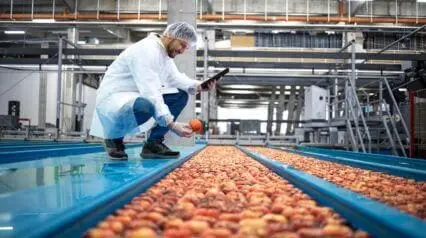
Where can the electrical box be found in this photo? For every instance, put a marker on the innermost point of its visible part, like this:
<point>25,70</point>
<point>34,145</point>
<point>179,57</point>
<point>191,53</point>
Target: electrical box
<point>14,108</point>
<point>250,127</point>
<point>316,100</point>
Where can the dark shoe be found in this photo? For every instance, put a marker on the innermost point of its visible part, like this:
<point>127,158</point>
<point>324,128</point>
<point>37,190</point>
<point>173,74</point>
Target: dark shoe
<point>115,149</point>
<point>156,149</point>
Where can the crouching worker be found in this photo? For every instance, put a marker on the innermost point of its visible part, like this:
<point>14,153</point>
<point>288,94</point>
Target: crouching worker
<point>143,89</point>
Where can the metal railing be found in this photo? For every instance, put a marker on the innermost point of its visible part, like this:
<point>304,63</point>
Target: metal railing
<point>354,111</point>
<point>397,110</point>
<point>395,131</point>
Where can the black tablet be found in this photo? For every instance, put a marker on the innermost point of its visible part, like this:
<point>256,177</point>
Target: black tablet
<point>216,77</point>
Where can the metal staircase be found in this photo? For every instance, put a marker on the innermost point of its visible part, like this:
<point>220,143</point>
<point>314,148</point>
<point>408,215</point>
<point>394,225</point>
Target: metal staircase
<point>356,117</point>
<point>398,147</point>
<point>390,129</point>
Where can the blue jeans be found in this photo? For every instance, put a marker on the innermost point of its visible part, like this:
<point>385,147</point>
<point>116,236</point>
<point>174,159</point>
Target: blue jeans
<point>143,110</point>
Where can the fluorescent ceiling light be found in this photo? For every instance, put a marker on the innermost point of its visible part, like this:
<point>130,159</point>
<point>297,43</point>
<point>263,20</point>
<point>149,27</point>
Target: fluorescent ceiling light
<point>44,20</point>
<point>14,32</point>
<point>239,91</point>
<point>81,42</point>
<point>421,0</point>
<point>146,29</point>
<point>93,41</point>
<point>60,32</point>
<point>110,31</point>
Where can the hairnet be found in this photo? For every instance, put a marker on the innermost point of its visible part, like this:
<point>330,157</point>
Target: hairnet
<point>183,31</point>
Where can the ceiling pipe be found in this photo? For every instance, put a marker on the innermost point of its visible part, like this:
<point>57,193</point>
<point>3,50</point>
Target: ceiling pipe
<point>85,16</point>
<point>213,25</point>
<point>210,17</point>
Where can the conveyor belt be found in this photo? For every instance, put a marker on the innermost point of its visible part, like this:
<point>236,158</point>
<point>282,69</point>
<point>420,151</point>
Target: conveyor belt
<point>404,194</point>
<point>399,170</point>
<point>221,192</point>
<point>374,217</point>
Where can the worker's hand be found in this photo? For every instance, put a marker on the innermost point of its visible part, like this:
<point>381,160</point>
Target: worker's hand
<point>210,86</point>
<point>181,129</point>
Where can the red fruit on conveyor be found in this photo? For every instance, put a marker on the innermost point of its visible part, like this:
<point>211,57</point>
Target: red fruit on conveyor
<point>222,193</point>
<point>404,194</point>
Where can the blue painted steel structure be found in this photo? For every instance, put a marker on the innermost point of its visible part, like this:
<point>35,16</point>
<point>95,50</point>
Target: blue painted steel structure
<point>64,196</point>
<point>376,218</point>
<point>31,142</point>
<point>16,152</point>
<point>7,148</point>
<point>412,172</point>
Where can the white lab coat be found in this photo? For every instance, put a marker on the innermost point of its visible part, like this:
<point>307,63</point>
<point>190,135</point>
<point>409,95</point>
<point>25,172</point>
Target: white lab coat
<point>142,70</point>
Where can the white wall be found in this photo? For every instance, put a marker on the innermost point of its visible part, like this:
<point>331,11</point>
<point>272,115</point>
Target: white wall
<point>242,113</point>
<point>26,91</point>
<point>52,78</point>
<point>89,97</point>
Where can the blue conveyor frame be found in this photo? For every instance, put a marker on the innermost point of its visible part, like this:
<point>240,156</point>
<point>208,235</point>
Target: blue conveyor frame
<point>76,222</point>
<point>374,217</point>
<point>29,151</point>
<point>119,182</point>
<point>360,211</point>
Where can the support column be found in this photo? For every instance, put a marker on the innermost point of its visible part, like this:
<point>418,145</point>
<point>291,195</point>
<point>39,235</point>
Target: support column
<point>349,94</point>
<point>42,93</point>
<point>356,47</point>
<point>412,101</point>
<point>80,110</point>
<point>212,94</point>
<point>42,100</point>
<point>335,112</point>
<point>280,110</point>
<point>213,104</point>
<point>180,10</point>
<point>271,107</point>
<point>208,99</point>
<point>69,89</point>
<point>205,95</point>
<point>290,107</point>
<point>298,107</point>
<point>59,88</point>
